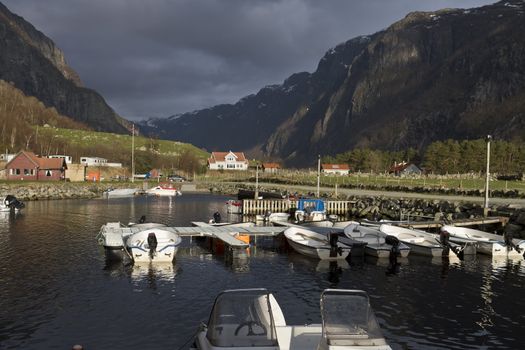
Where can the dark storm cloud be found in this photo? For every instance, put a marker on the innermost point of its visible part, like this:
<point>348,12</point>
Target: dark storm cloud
<point>161,57</point>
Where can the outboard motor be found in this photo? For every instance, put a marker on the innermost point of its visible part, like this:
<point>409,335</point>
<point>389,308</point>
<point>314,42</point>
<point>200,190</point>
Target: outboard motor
<point>152,243</point>
<point>334,248</point>
<point>393,265</point>
<point>142,219</point>
<point>12,202</point>
<point>444,237</point>
<point>509,243</point>
<point>217,217</point>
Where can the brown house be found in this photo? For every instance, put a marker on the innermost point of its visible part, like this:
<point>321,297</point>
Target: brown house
<point>271,167</point>
<point>27,166</point>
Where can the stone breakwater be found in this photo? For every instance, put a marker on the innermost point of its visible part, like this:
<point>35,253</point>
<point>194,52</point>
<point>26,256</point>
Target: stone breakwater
<point>58,190</point>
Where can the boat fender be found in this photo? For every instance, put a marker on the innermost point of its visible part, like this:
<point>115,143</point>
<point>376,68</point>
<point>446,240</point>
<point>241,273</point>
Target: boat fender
<point>217,217</point>
<point>444,237</point>
<point>152,243</point>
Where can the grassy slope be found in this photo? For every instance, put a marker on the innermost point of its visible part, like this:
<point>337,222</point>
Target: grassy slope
<point>123,142</point>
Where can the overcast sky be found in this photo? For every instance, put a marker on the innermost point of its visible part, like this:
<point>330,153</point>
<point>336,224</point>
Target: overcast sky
<point>156,58</point>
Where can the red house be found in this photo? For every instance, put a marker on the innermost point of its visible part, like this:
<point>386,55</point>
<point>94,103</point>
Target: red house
<point>27,166</point>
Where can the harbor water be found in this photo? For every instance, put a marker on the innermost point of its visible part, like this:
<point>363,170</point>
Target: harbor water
<point>57,289</point>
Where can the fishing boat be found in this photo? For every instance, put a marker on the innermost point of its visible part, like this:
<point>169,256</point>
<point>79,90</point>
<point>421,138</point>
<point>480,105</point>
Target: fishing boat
<point>164,190</point>
<point>156,244</point>
<point>419,241</point>
<point>11,203</point>
<point>316,245</point>
<point>310,210</point>
<point>112,236</point>
<point>487,243</point>
<point>253,319</point>
<point>378,244</point>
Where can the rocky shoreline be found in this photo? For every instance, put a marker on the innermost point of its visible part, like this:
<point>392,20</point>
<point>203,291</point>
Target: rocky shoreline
<point>56,190</point>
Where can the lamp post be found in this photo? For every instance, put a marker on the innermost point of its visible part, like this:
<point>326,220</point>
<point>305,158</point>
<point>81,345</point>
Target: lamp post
<point>318,173</point>
<point>257,181</point>
<point>487,177</point>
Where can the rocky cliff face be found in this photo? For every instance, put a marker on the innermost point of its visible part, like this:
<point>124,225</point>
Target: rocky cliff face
<point>431,76</point>
<point>33,63</point>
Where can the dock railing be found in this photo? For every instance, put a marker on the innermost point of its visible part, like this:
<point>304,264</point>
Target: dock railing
<point>262,206</point>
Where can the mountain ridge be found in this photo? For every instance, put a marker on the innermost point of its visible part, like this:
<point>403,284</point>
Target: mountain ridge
<point>34,64</point>
<point>452,73</point>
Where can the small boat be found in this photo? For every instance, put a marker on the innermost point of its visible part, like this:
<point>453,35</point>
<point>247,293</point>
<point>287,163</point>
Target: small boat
<point>164,190</point>
<point>487,243</point>
<point>419,241</point>
<point>113,235</point>
<point>270,217</point>
<point>310,210</point>
<point>156,244</point>
<point>120,192</point>
<point>378,243</point>
<point>11,203</point>
<point>316,245</point>
<point>253,319</point>
<point>234,206</point>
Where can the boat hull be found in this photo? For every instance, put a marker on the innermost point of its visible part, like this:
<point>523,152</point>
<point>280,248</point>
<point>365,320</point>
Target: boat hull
<point>318,253</point>
<point>166,247</point>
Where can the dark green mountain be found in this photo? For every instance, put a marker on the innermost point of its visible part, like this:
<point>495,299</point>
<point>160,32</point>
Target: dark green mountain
<point>431,76</point>
<point>32,63</point>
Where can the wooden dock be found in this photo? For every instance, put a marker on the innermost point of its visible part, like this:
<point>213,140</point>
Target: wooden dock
<point>462,222</point>
<point>262,206</point>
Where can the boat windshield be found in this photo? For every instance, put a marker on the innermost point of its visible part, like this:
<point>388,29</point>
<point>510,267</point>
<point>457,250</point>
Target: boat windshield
<point>242,318</point>
<point>348,319</point>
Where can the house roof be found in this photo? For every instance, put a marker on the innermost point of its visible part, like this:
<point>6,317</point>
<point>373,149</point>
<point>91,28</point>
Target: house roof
<point>52,163</point>
<point>335,166</point>
<point>41,163</point>
<point>271,165</point>
<point>401,166</point>
<point>221,156</point>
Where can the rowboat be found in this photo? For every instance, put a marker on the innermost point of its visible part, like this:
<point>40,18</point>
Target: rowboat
<point>377,242</point>
<point>487,243</point>
<point>419,242</point>
<point>316,245</point>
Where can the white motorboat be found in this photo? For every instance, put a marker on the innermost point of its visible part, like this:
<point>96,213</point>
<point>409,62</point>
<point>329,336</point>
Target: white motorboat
<point>270,217</point>
<point>11,203</point>
<point>120,192</point>
<point>377,242</point>
<point>253,319</point>
<point>419,242</point>
<point>316,245</point>
<point>487,243</point>
<point>310,210</point>
<point>164,190</point>
<point>156,244</point>
<point>113,235</point>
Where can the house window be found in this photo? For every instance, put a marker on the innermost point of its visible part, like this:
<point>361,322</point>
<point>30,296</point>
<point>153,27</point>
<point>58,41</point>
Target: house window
<point>32,171</point>
<point>17,171</point>
<point>230,166</point>
<point>26,171</point>
<point>49,172</point>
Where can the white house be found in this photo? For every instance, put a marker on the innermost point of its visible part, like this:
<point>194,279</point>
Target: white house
<point>93,161</point>
<point>227,161</point>
<point>337,169</point>
<point>6,157</point>
<point>68,159</point>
